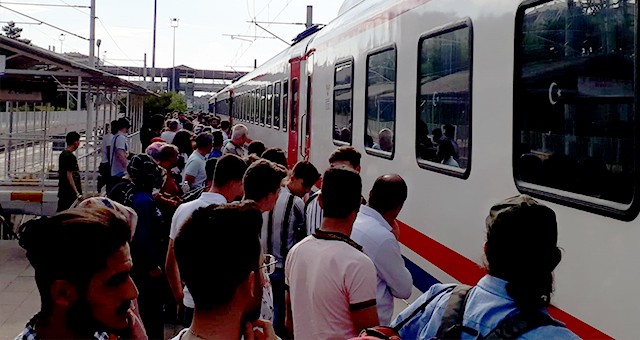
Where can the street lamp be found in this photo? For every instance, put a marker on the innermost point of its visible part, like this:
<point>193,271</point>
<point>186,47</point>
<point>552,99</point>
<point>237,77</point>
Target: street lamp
<point>174,24</point>
<point>98,43</point>
<point>61,38</point>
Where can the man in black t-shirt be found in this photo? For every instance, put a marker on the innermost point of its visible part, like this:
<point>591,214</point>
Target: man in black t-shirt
<point>69,186</point>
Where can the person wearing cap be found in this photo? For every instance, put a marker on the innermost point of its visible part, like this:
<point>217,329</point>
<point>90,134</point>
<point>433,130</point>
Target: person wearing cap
<point>147,251</point>
<point>119,152</point>
<point>521,253</point>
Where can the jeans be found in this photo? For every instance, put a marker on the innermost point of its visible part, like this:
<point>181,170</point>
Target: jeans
<point>279,306</point>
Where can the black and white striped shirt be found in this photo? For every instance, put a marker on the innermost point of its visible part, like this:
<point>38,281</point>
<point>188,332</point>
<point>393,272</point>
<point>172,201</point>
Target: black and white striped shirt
<point>283,226</point>
<point>313,213</point>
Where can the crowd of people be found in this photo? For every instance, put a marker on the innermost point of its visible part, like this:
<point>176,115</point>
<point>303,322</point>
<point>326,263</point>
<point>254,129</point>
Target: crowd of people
<point>214,231</point>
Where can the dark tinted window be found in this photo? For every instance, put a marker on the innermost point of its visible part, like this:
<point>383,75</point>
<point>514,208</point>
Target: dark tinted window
<point>443,122</point>
<point>294,104</point>
<point>269,105</point>
<point>574,101</point>
<point>343,102</point>
<point>381,103</point>
<point>285,105</point>
<point>256,106</point>
<point>276,105</point>
<point>263,105</point>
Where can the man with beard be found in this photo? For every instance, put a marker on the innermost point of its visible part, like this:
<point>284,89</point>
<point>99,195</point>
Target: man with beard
<point>226,306</point>
<point>82,268</point>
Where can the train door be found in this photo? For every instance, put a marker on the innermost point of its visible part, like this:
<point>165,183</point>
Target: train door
<point>305,123</point>
<point>294,110</point>
<point>300,125</point>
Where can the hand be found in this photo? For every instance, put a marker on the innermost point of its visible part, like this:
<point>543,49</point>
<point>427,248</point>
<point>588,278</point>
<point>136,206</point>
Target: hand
<point>266,331</point>
<point>136,328</point>
<point>155,272</point>
<point>395,229</point>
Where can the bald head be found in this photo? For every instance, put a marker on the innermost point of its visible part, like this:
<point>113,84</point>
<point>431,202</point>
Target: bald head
<point>388,194</point>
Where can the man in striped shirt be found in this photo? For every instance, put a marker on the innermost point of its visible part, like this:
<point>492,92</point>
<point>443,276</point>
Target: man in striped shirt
<point>344,156</point>
<point>283,227</point>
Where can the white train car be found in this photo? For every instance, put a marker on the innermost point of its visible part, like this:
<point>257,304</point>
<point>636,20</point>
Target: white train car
<point>538,97</point>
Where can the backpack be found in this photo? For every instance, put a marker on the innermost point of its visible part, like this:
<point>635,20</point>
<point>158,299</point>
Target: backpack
<point>451,326</point>
<point>123,193</point>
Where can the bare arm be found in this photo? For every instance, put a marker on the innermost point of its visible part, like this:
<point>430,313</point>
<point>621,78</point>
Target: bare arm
<point>173,274</point>
<point>288,319</point>
<point>121,156</point>
<point>364,318</point>
<point>72,183</point>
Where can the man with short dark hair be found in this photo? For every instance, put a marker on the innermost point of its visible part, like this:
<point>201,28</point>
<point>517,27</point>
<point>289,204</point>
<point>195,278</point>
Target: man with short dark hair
<point>344,156</point>
<point>376,230</point>
<point>194,171</point>
<point>283,227</point>
<point>218,141</point>
<point>119,153</point>
<point>105,149</point>
<point>82,269</point>
<point>303,176</point>
<point>276,155</point>
<point>262,184</point>
<point>227,185</point>
<point>69,186</point>
<point>226,307</point>
<point>332,284</point>
<point>256,147</point>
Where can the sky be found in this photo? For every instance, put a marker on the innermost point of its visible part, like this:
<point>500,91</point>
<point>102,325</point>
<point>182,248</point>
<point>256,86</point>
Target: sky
<point>126,29</point>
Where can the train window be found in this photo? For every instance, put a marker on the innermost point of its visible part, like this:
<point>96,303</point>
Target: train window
<point>263,105</point>
<point>285,104</point>
<point>575,108</point>
<point>256,106</point>
<point>295,87</point>
<point>380,105</point>
<point>276,105</point>
<point>443,106</point>
<point>269,105</point>
<point>343,103</point>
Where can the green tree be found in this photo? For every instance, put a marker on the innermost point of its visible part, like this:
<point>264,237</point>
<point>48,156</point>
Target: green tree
<point>14,32</point>
<point>164,103</point>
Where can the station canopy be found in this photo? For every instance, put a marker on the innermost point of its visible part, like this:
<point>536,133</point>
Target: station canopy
<point>33,71</point>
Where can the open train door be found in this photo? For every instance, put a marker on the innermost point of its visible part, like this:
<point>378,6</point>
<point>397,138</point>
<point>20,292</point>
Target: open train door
<point>300,125</point>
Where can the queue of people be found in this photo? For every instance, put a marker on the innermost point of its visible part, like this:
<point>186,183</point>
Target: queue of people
<point>233,244</point>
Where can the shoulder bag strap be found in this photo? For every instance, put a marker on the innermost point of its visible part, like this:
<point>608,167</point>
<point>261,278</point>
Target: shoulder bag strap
<point>451,323</point>
<point>519,324</point>
<point>270,233</point>
<point>421,308</point>
<point>284,230</point>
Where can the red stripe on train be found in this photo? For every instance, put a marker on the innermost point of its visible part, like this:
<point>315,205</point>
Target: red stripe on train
<point>469,272</point>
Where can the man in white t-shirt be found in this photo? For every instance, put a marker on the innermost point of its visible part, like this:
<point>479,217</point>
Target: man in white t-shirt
<point>227,185</point>
<point>225,268</point>
<point>173,126</point>
<point>105,165</point>
<point>375,230</point>
<point>332,283</point>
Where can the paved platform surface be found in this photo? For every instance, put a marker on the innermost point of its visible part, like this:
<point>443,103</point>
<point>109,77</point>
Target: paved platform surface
<point>19,298</point>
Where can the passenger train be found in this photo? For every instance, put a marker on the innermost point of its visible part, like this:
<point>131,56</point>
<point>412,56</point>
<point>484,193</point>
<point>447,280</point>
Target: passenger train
<point>535,97</point>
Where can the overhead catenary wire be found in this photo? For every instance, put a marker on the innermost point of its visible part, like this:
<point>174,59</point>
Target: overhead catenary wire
<point>115,43</point>
<point>44,22</point>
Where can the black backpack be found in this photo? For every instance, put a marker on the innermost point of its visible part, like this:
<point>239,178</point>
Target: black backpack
<point>513,327</point>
